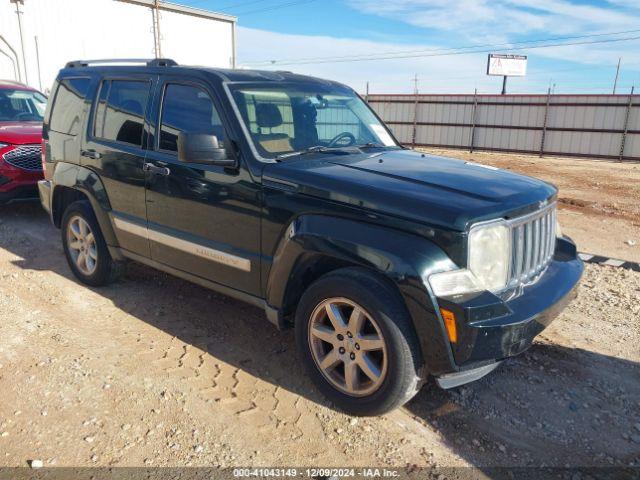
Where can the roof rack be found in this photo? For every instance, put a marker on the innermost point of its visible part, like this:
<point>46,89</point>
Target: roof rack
<point>154,62</point>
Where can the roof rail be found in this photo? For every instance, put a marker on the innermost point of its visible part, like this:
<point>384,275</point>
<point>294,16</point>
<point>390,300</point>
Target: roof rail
<point>154,62</point>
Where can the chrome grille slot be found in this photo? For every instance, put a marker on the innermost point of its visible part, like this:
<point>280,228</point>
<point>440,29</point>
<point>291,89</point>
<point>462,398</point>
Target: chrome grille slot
<point>25,157</point>
<point>532,244</point>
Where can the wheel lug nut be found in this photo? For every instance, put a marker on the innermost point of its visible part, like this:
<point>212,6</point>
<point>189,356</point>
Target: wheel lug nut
<point>349,335</point>
<point>341,350</point>
<point>340,337</point>
<point>352,356</point>
<point>357,346</point>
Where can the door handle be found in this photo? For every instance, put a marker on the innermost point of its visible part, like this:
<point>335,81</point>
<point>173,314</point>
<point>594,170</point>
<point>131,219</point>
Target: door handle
<point>91,154</point>
<point>151,168</point>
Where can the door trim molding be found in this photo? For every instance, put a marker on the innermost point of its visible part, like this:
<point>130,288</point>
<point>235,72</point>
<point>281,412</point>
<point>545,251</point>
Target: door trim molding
<point>192,248</point>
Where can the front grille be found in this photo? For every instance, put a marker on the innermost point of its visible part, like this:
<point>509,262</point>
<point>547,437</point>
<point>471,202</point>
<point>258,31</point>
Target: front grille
<point>533,240</point>
<point>25,157</point>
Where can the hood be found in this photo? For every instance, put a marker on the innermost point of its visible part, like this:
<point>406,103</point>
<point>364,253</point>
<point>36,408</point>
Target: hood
<point>20,132</point>
<point>440,191</point>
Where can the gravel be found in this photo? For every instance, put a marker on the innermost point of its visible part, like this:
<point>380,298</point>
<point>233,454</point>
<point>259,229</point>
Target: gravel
<point>210,382</point>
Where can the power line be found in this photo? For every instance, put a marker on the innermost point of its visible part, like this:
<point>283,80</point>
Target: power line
<point>439,49</point>
<point>275,7</point>
<point>241,4</point>
<point>452,51</point>
<point>251,2</point>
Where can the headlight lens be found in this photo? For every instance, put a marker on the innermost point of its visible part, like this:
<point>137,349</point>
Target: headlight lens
<point>488,269</point>
<point>489,253</point>
<point>2,145</point>
<point>454,282</point>
<point>558,229</point>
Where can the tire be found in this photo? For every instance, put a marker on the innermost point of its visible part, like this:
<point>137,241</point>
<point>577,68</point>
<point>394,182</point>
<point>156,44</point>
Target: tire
<point>386,319</point>
<point>99,268</point>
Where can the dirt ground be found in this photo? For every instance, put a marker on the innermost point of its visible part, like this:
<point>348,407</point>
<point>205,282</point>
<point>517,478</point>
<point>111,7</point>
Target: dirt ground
<point>599,200</point>
<point>155,371</point>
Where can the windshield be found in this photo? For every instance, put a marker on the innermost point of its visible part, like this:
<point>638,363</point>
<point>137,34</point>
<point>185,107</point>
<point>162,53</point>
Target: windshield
<point>21,106</point>
<point>286,117</point>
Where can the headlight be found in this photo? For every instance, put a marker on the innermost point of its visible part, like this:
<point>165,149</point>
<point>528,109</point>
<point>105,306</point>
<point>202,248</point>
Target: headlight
<point>488,266</point>
<point>558,229</point>
<point>2,145</point>
<point>489,253</point>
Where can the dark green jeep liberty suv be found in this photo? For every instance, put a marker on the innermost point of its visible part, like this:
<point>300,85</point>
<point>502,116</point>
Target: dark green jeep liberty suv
<point>289,193</point>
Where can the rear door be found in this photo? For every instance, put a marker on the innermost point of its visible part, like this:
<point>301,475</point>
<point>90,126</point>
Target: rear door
<point>202,219</point>
<point>115,148</point>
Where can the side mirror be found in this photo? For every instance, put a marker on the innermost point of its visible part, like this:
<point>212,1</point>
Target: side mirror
<point>202,148</point>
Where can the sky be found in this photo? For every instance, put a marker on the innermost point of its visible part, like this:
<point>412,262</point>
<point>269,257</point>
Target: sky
<point>350,41</point>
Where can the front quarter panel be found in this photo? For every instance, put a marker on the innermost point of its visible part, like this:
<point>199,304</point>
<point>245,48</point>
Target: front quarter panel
<point>402,257</point>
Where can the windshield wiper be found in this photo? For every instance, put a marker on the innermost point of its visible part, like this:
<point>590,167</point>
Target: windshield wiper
<point>314,149</point>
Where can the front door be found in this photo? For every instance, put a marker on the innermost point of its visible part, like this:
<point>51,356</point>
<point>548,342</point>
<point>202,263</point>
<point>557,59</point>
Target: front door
<point>202,219</point>
<point>115,150</point>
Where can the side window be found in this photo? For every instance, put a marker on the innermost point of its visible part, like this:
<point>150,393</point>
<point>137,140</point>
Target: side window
<point>186,108</point>
<point>68,108</point>
<point>120,111</point>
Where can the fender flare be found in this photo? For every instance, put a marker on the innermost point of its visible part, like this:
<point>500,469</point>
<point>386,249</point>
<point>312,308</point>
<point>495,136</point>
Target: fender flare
<point>401,257</point>
<point>88,182</point>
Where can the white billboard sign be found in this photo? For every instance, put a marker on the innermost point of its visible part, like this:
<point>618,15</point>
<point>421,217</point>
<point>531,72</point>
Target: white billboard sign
<point>507,65</point>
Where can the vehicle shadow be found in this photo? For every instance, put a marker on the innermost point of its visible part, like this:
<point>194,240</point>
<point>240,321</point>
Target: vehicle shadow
<point>552,406</point>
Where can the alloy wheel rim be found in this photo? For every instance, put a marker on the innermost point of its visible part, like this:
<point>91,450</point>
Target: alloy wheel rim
<point>347,346</point>
<point>81,244</point>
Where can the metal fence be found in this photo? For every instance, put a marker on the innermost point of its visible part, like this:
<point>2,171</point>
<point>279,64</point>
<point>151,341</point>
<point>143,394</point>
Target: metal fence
<point>596,126</point>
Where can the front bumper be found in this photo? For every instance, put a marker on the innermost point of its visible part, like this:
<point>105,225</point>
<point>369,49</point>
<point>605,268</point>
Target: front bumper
<point>19,193</point>
<point>491,328</point>
<point>17,185</point>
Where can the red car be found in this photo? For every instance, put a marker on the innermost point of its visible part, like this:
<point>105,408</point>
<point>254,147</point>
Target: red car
<point>21,114</point>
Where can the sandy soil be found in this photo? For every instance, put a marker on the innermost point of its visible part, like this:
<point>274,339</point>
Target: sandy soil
<point>156,371</point>
<point>599,200</point>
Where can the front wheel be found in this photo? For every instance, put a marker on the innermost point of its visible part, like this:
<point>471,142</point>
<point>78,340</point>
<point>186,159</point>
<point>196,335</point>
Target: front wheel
<point>357,342</point>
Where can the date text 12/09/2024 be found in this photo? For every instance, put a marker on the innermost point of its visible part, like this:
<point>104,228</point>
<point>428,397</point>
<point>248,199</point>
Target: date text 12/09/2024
<point>315,472</point>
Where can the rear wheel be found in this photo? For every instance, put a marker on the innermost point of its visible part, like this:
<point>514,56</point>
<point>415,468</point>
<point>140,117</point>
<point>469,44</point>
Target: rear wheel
<point>85,247</point>
<point>357,342</point>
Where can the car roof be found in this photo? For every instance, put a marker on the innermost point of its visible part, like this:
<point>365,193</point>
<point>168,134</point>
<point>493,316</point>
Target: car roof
<point>220,74</point>
<point>4,84</point>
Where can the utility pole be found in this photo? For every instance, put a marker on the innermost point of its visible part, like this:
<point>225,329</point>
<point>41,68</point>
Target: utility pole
<point>415,111</point>
<point>504,85</point>
<point>615,82</point>
<point>38,62</point>
<point>20,3</point>
<point>157,37</point>
<point>366,95</point>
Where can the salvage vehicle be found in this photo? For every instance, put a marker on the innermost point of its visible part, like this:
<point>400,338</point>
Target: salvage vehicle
<point>289,193</point>
<point>21,111</point>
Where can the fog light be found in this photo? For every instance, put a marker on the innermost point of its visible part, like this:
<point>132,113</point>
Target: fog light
<point>450,324</point>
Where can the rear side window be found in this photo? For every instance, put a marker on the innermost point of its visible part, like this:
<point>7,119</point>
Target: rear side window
<point>68,108</point>
<point>187,108</point>
<point>120,112</point>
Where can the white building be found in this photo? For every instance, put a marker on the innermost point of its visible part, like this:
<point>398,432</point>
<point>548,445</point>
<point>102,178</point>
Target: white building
<point>57,31</point>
